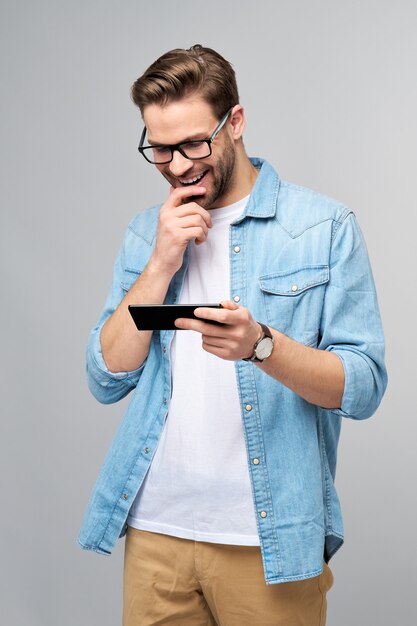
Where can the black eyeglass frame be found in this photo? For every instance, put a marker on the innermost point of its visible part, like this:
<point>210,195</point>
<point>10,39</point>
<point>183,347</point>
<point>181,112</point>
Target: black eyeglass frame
<point>143,149</point>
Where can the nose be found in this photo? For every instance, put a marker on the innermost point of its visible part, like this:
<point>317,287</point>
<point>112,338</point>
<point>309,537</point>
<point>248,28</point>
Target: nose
<point>179,164</point>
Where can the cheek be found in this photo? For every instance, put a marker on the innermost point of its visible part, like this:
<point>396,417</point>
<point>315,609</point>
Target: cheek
<point>164,170</point>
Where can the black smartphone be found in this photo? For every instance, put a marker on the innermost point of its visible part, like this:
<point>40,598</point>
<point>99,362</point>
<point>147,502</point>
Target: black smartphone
<point>163,316</point>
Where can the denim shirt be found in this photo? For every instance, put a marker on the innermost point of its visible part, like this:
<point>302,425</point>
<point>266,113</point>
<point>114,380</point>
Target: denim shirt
<point>299,263</point>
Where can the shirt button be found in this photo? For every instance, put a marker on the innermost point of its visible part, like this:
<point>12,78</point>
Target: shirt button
<point>263,514</point>
<point>236,298</point>
<point>164,349</point>
<point>256,461</point>
<point>146,450</point>
<point>248,407</point>
<point>236,249</point>
<point>294,288</point>
<point>125,496</point>
<point>165,402</point>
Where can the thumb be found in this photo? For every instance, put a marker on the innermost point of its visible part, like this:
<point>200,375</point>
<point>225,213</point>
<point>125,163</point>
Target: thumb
<point>228,304</point>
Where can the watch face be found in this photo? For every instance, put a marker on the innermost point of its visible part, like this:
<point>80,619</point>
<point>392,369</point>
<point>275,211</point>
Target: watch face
<point>264,348</point>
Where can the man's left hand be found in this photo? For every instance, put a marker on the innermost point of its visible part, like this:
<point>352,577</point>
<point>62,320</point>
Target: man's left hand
<point>232,341</point>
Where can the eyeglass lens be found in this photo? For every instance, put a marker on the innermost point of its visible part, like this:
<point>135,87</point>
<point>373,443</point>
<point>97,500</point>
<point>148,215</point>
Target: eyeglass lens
<point>190,149</point>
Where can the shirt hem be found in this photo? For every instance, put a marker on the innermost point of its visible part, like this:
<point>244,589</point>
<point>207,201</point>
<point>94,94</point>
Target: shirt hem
<point>184,533</point>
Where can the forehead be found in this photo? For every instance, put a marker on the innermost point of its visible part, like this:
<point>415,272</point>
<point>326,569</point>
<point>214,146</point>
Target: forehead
<point>179,120</point>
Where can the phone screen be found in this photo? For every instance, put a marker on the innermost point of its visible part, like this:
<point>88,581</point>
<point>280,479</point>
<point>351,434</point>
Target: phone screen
<point>163,316</point>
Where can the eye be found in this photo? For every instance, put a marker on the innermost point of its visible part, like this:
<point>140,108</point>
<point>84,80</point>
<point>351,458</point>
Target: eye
<point>193,145</point>
<point>161,150</point>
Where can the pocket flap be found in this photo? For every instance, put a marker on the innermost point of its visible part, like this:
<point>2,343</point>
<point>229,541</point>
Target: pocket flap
<point>295,281</point>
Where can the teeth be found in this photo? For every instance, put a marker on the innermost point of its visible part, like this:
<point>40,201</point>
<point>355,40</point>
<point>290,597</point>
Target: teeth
<point>192,181</point>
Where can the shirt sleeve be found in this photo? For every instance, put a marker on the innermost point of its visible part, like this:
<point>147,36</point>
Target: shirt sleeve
<point>105,385</point>
<point>351,323</point>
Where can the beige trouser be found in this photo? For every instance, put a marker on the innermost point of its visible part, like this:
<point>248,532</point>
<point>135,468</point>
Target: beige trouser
<point>171,581</point>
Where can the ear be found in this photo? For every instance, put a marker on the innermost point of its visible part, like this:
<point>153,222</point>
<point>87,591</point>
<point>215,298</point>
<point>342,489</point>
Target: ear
<point>237,121</point>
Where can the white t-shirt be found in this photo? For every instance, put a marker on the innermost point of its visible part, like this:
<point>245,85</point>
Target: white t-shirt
<point>198,484</point>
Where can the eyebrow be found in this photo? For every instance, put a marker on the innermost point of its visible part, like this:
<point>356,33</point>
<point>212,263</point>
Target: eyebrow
<point>195,137</point>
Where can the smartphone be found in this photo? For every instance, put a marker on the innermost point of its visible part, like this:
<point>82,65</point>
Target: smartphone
<point>163,316</point>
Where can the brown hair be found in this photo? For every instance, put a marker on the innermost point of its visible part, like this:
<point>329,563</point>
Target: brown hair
<point>180,73</point>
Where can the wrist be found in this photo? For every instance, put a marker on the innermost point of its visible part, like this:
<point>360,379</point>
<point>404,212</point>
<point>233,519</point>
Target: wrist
<point>158,270</point>
<point>263,347</point>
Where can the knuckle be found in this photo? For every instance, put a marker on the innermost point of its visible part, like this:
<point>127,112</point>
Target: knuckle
<point>241,334</point>
<point>223,317</point>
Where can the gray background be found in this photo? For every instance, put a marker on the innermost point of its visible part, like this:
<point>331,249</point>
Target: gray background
<point>331,100</point>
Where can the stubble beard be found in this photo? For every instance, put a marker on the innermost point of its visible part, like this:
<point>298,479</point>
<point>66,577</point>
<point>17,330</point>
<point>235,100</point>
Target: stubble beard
<point>222,177</point>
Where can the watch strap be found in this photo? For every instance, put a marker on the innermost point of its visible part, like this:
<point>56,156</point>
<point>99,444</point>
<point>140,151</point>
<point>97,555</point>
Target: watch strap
<point>265,333</point>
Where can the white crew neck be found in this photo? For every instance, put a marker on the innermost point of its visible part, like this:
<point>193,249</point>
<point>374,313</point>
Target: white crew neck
<point>229,211</point>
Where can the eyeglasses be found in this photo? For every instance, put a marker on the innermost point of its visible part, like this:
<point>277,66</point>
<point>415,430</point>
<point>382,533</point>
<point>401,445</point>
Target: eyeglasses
<point>193,150</point>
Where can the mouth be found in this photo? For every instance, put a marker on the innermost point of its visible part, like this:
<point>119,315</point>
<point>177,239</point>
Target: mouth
<point>192,181</point>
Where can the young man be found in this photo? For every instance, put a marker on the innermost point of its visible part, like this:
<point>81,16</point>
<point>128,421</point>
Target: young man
<point>222,469</point>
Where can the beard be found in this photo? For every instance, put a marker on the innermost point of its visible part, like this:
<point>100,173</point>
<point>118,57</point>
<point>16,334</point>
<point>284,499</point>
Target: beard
<point>222,177</point>
<point>222,174</point>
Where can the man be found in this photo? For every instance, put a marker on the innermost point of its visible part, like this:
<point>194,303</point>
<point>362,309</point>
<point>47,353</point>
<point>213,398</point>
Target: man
<point>222,469</point>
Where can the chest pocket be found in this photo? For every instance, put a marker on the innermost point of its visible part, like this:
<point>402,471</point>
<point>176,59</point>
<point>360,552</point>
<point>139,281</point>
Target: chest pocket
<point>130,275</point>
<point>293,301</point>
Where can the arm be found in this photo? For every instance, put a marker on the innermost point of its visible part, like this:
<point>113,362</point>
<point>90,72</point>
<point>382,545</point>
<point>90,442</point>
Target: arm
<point>315,375</point>
<point>346,372</point>
<point>123,347</point>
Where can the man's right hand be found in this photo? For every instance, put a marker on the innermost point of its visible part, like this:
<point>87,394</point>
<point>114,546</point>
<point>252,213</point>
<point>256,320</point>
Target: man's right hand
<point>123,347</point>
<point>180,221</point>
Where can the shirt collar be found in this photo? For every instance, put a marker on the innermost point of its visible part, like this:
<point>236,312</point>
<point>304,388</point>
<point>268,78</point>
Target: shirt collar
<point>263,199</point>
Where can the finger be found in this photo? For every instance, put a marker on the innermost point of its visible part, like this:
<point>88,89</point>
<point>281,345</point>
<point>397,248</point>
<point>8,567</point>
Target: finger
<point>228,304</point>
<point>214,343</point>
<point>219,351</point>
<point>223,315</point>
<point>198,234</point>
<point>205,328</point>
<point>192,221</point>
<point>185,323</point>
<point>188,228</point>
<point>191,209</point>
<point>179,194</point>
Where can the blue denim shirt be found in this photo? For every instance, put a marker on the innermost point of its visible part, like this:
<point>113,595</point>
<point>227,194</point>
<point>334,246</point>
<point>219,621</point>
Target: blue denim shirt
<point>299,263</point>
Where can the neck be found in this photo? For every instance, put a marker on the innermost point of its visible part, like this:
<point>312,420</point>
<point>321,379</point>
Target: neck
<point>243,180</point>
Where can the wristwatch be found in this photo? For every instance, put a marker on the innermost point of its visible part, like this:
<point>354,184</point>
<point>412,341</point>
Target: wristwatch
<point>263,347</point>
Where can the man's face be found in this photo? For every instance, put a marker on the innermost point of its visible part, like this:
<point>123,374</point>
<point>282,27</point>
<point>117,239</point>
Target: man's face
<point>191,119</point>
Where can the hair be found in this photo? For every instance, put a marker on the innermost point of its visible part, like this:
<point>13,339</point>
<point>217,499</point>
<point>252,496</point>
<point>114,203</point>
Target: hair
<point>181,73</point>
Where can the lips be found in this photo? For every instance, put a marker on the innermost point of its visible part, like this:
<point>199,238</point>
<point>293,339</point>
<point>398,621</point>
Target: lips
<point>192,181</point>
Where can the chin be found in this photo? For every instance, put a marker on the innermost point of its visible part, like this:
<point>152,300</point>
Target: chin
<point>205,203</point>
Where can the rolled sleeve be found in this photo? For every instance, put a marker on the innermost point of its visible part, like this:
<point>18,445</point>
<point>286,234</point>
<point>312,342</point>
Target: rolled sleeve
<point>105,385</point>
<point>364,385</point>
<point>351,323</point>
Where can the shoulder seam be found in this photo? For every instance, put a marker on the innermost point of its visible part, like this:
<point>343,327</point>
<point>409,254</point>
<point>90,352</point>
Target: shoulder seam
<point>339,221</point>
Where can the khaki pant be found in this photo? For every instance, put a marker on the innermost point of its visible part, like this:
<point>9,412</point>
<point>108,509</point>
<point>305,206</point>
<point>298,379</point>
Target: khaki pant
<point>176,582</point>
